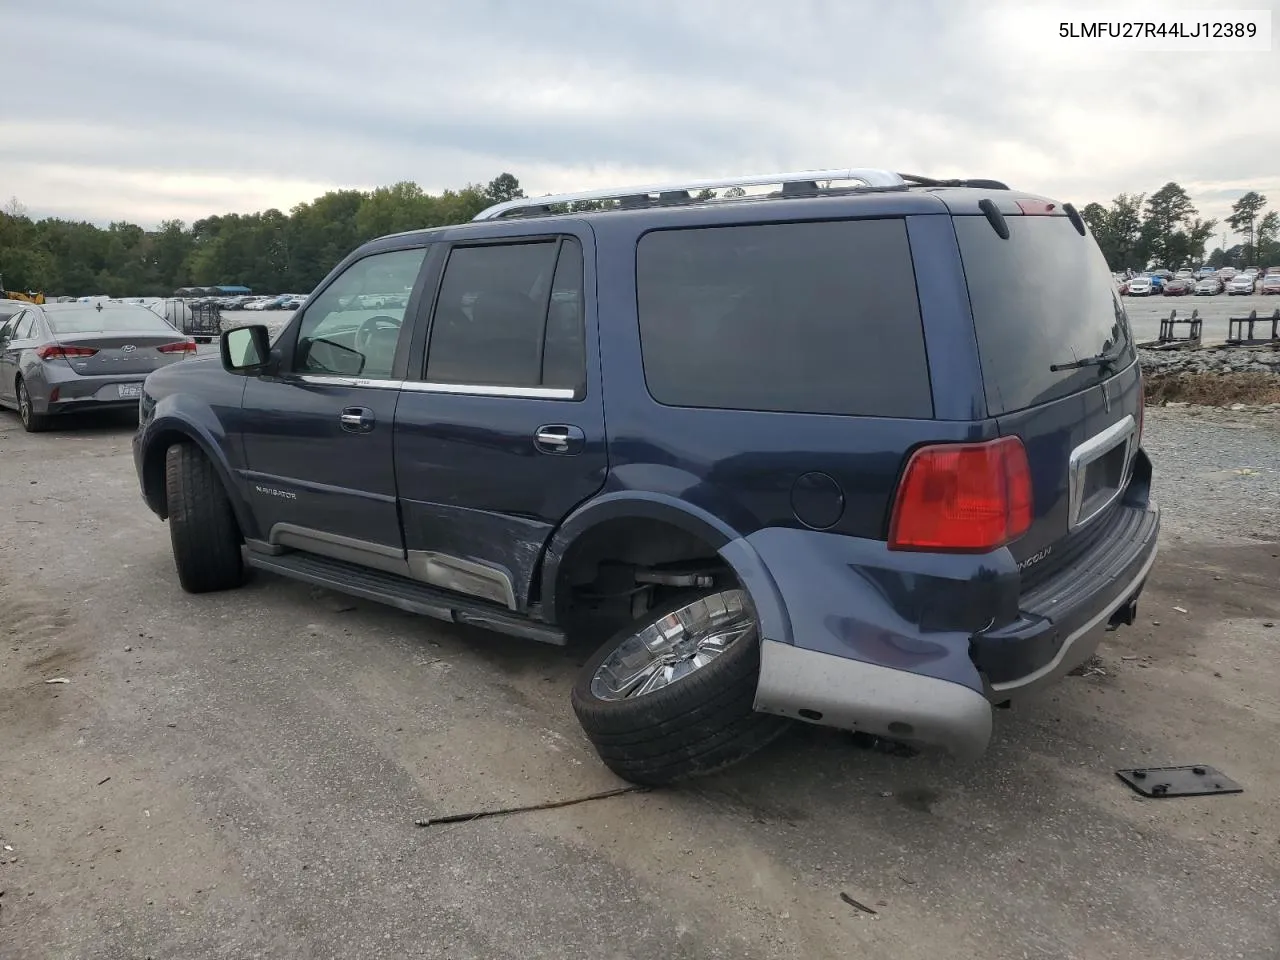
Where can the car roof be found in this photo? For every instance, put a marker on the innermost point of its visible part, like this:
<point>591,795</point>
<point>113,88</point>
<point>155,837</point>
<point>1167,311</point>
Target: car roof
<point>882,202</point>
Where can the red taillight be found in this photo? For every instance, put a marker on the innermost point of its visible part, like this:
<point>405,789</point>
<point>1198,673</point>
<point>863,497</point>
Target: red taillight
<point>51,351</point>
<point>963,497</point>
<point>182,346</point>
<point>1037,208</point>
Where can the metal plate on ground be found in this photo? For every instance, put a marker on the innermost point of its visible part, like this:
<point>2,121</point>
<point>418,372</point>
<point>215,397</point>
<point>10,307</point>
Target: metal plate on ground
<point>1195,780</point>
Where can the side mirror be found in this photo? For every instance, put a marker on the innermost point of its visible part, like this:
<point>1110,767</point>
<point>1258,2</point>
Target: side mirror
<point>245,350</point>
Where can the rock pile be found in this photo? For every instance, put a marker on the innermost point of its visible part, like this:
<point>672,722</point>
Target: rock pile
<point>1213,360</point>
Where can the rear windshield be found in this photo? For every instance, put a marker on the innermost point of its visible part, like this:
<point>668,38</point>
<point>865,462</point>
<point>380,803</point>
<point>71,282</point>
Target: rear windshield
<point>796,317</point>
<point>89,320</point>
<point>1040,298</point>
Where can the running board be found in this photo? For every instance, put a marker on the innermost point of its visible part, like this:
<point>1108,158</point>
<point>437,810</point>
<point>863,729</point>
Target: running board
<point>401,592</point>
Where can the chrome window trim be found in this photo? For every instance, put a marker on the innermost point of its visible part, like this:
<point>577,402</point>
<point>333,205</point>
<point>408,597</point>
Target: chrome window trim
<point>492,390</point>
<point>467,389</point>
<point>1122,432</point>
<point>340,381</point>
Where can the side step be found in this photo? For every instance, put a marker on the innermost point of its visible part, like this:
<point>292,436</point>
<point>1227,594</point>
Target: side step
<point>401,592</point>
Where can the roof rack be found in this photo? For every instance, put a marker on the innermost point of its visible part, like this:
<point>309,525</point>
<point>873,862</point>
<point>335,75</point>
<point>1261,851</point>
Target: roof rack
<point>800,183</point>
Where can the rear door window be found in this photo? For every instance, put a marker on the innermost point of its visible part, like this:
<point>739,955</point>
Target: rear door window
<point>1043,297</point>
<point>797,317</point>
<point>25,328</point>
<point>512,315</point>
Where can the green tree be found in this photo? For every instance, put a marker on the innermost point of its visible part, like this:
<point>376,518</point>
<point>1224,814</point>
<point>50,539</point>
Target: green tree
<point>502,188</point>
<point>1244,218</point>
<point>1269,240</point>
<point>1172,235</point>
<point>1117,230</point>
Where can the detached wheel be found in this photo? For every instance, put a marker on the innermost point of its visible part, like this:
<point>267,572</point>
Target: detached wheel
<point>202,526</point>
<point>670,696</point>
<point>32,422</point>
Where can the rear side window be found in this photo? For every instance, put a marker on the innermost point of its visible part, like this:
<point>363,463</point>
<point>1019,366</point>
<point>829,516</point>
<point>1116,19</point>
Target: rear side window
<point>26,327</point>
<point>1043,297</point>
<point>795,317</point>
<point>511,315</point>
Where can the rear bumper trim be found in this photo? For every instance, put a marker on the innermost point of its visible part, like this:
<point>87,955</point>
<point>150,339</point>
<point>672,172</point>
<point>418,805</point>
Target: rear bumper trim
<point>849,694</point>
<point>1082,641</point>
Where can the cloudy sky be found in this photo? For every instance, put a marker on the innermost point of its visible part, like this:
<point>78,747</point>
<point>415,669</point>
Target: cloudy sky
<point>152,109</point>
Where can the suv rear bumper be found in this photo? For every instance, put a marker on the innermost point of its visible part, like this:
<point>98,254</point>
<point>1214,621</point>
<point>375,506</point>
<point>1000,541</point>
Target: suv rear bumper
<point>852,695</point>
<point>853,655</point>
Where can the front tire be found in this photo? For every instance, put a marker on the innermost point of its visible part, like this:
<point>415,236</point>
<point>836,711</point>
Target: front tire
<point>670,696</point>
<point>202,525</point>
<point>32,422</point>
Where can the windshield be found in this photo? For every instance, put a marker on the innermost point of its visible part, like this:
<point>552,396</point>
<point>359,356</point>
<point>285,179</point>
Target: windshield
<point>90,320</point>
<point>1044,297</point>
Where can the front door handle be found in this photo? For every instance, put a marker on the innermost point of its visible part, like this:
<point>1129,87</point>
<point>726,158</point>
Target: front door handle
<point>356,419</point>
<point>559,438</point>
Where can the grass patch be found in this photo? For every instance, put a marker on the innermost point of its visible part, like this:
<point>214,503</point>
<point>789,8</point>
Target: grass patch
<point>1212,389</point>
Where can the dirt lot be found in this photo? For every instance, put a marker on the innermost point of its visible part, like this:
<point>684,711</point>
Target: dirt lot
<point>238,775</point>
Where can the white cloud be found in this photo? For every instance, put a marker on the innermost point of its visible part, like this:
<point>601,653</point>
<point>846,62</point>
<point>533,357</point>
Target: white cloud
<point>144,109</point>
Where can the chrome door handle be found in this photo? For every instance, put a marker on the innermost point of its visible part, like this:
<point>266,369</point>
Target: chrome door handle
<point>356,419</point>
<point>560,438</point>
<point>553,438</point>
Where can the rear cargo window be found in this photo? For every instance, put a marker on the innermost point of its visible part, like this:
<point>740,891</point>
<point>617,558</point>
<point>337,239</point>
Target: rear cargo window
<point>114,320</point>
<point>794,317</point>
<point>1040,298</point>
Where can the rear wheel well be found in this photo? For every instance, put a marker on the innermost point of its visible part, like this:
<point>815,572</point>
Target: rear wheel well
<point>620,568</point>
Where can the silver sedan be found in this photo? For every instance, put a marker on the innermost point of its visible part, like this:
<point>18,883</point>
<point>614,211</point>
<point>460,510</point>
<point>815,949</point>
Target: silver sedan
<point>60,357</point>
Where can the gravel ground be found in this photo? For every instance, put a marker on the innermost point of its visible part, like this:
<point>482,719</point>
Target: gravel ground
<point>1217,473</point>
<point>238,775</point>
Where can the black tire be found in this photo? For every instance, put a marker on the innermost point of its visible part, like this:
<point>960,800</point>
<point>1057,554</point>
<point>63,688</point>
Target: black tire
<point>202,527</point>
<point>32,422</point>
<point>699,724</point>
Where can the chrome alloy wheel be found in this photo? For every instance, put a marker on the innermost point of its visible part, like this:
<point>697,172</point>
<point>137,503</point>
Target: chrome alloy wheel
<point>24,403</point>
<point>677,645</point>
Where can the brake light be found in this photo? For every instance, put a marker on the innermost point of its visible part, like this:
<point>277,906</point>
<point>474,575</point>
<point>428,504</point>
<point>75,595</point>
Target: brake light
<point>182,346</point>
<point>1037,208</point>
<point>963,497</point>
<point>51,351</point>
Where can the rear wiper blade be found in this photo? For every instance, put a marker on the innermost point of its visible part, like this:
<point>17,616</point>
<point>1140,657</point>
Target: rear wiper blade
<point>1097,360</point>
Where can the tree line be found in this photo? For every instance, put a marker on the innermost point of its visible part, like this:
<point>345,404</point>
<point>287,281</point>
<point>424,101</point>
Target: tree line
<point>1164,229</point>
<point>273,251</point>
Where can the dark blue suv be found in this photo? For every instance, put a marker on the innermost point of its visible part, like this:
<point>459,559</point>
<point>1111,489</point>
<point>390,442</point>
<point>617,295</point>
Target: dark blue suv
<point>848,447</point>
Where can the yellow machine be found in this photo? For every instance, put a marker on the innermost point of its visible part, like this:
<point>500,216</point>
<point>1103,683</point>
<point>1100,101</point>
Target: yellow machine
<point>30,296</point>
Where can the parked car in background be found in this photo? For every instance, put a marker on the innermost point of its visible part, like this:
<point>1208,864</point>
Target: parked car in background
<point>72,356</point>
<point>1241,285</point>
<point>1179,287</point>
<point>1209,287</point>
<point>1227,273</point>
<point>1141,287</point>
<point>1184,275</point>
<point>1204,272</point>
<point>1270,285</point>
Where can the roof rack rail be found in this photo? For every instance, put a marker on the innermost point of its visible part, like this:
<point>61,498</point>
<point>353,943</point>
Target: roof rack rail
<point>803,182</point>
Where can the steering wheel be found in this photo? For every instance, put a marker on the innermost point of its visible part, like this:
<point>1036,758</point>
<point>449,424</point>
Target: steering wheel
<point>366,330</point>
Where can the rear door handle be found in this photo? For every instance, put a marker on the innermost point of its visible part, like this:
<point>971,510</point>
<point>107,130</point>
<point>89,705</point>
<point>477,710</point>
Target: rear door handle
<point>560,438</point>
<point>357,419</point>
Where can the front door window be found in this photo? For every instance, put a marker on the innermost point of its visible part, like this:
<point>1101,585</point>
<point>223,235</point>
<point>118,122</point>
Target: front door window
<point>353,328</point>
